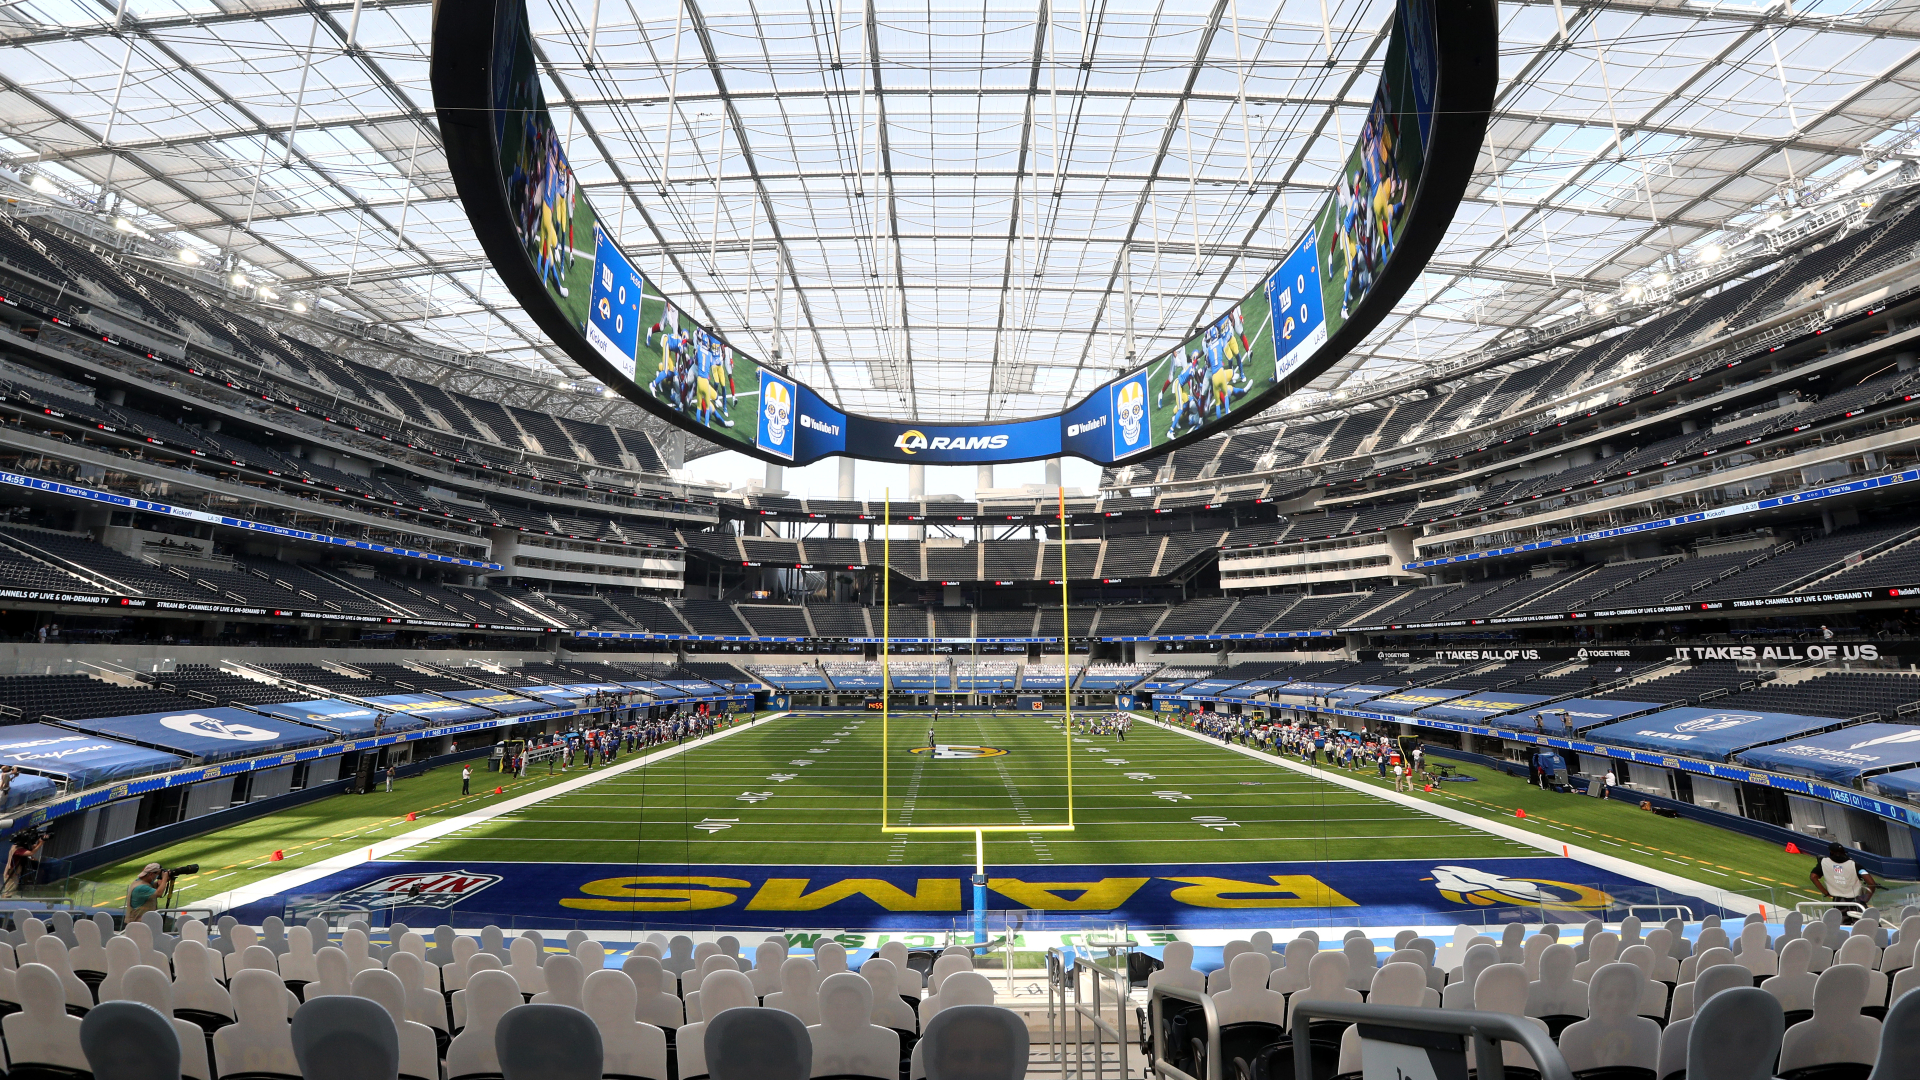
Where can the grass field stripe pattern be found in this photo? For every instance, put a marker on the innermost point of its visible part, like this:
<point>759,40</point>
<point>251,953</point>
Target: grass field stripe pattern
<point>1138,803</point>
<point>1626,867</point>
<point>295,878</point>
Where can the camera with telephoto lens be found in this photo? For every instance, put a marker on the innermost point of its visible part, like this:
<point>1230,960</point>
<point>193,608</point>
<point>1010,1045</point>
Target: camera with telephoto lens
<point>182,871</point>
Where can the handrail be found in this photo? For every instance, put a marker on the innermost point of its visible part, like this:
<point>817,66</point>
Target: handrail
<point>1486,1029</point>
<point>1161,993</point>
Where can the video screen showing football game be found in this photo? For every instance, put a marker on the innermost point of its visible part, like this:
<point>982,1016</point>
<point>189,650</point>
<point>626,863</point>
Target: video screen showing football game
<point>686,367</point>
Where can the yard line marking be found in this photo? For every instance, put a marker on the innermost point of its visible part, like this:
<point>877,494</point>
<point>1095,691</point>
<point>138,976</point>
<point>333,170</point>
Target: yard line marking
<point>295,878</point>
<point>1624,867</point>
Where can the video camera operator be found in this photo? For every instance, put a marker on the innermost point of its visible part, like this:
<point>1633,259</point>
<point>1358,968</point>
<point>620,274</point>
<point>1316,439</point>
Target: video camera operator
<point>23,862</point>
<point>145,892</point>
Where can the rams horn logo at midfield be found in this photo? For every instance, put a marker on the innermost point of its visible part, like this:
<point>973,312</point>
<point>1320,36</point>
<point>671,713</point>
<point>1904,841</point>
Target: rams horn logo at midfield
<point>1484,888</point>
<point>944,752</point>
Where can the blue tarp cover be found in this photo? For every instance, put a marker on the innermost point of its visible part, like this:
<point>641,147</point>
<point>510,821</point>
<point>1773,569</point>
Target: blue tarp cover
<point>1479,706</point>
<point>82,760</point>
<point>1840,756</point>
<point>342,717</point>
<point>428,708</point>
<point>1711,734</point>
<point>1407,701</point>
<point>1583,712</point>
<point>26,789</point>
<point>210,734</point>
<point>499,701</point>
<point>1354,695</point>
<point>1904,784</point>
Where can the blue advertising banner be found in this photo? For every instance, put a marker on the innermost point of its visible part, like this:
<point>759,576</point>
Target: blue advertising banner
<point>822,429</point>
<point>1262,894</point>
<point>953,444</point>
<point>1841,756</point>
<point>774,427</point>
<point>1482,705</point>
<point>499,701</point>
<point>1711,734</point>
<point>79,759</point>
<point>1087,426</point>
<point>209,734</point>
<point>613,311</point>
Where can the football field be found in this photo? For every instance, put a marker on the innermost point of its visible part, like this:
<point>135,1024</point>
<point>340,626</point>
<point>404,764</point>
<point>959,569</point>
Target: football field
<point>790,791</point>
<point>779,824</point>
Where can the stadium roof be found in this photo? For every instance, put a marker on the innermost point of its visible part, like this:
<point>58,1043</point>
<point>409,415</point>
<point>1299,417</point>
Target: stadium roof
<point>945,213</point>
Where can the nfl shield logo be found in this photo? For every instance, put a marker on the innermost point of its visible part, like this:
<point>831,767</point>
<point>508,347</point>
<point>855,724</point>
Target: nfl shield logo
<point>441,889</point>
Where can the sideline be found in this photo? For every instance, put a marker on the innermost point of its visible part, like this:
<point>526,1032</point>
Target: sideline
<point>1660,879</point>
<point>293,879</point>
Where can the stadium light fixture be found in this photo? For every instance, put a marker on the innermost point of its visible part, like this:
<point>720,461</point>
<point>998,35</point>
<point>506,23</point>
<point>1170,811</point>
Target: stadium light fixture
<point>43,185</point>
<point>265,293</point>
<point>123,225</point>
<point>1660,278</point>
<point>1602,308</point>
<point>1633,293</point>
<point>239,281</point>
<point>189,256</point>
<point>299,307</point>
<point>1710,254</point>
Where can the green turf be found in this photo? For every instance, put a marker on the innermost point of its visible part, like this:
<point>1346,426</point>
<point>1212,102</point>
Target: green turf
<point>1134,801</point>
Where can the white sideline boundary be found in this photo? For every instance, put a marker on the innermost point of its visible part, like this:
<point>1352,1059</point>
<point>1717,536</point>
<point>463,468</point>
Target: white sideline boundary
<point>293,879</point>
<point>1660,879</point>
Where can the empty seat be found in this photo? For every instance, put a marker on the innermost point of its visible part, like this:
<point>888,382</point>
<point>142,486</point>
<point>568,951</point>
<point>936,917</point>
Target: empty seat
<point>1737,1036</point>
<point>342,1036</point>
<point>759,1044</point>
<point>548,1042</point>
<point>975,1042</point>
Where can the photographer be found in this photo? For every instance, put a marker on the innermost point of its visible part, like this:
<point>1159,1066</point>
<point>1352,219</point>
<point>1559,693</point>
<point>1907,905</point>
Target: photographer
<point>23,861</point>
<point>144,895</point>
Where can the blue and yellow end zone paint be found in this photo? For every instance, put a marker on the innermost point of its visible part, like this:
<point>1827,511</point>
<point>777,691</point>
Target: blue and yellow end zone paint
<point>1201,895</point>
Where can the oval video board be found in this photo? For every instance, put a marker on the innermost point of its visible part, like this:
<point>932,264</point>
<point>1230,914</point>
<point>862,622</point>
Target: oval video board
<point>1361,250</point>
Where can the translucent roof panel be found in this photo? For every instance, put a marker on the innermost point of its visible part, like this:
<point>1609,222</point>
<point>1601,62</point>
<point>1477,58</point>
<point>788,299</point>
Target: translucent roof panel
<point>953,213</point>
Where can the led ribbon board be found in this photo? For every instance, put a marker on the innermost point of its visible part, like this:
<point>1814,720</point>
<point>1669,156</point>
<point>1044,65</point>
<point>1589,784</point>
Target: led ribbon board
<point>1358,253</point>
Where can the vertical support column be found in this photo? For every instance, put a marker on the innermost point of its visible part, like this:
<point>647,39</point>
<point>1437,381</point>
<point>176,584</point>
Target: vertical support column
<point>1053,472</point>
<point>845,532</point>
<point>917,491</point>
<point>776,477</point>
<point>982,478</point>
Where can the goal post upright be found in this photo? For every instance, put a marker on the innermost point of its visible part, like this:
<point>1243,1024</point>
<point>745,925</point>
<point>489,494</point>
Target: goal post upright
<point>886,642</point>
<point>1066,651</point>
